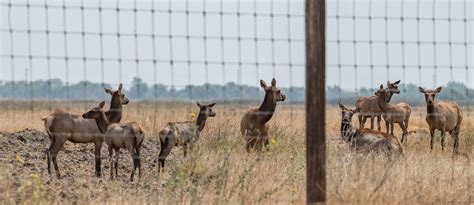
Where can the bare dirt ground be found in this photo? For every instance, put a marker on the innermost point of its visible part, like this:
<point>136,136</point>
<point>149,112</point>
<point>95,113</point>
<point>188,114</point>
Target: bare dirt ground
<point>220,171</point>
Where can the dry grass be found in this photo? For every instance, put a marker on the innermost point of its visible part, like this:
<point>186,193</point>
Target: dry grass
<point>220,171</point>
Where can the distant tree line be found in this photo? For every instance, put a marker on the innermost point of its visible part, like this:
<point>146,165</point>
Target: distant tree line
<point>56,89</point>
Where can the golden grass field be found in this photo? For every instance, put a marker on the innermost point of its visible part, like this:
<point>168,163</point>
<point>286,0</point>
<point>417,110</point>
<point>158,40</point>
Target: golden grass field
<point>220,171</point>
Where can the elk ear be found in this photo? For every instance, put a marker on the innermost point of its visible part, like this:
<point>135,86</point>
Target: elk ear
<point>274,82</point>
<point>108,91</point>
<point>397,82</point>
<point>102,104</point>
<point>198,104</point>
<point>381,86</point>
<point>120,87</point>
<point>422,90</point>
<point>388,83</point>
<point>438,90</point>
<point>263,84</point>
<point>357,110</point>
<point>211,105</point>
<point>340,105</point>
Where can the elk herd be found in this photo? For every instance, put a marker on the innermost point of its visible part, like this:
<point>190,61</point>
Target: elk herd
<point>97,126</point>
<point>445,116</point>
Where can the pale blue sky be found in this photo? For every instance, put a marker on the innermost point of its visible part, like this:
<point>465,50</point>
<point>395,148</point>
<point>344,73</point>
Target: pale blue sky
<point>281,52</point>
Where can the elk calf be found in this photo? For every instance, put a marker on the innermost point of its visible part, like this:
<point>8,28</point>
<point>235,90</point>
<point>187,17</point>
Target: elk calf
<point>183,133</point>
<point>62,126</point>
<point>369,108</point>
<point>253,126</point>
<point>445,116</point>
<point>128,136</point>
<point>367,139</point>
<point>398,113</point>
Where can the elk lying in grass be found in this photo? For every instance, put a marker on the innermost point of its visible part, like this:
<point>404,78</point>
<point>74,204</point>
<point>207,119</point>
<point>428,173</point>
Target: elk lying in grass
<point>367,139</point>
<point>398,113</point>
<point>369,108</point>
<point>183,133</point>
<point>253,126</point>
<point>63,126</point>
<point>445,116</point>
<point>128,136</point>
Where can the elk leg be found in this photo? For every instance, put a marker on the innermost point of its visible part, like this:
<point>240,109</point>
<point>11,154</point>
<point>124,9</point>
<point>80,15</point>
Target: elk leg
<point>169,144</point>
<point>54,154</point>
<point>361,125</point>
<point>111,161</point>
<point>379,118</point>
<point>456,140</point>
<point>372,118</point>
<point>98,159</point>
<point>117,156</point>
<point>443,142</point>
<point>137,150</point>
<point>392,126</point>
<point>134,156</point>
<point>404,129</point>
<point>364,119</point>
<point>432,138</point>
<point>185,150</point>
<point>387,126</point>
<point>48,154</point>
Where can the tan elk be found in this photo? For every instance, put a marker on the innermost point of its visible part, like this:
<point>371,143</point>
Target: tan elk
<point>367,139</point>
<point>118,136</point>
<point>445,116</point>
<point>369,108</point>
<point>183,133</point>
<point>394,113</point>
<point>253,126</point>
<point>62,126</point>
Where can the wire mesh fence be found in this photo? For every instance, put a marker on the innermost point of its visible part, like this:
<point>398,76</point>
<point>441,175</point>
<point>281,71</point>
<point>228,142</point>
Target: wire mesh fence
<point>210,49</point>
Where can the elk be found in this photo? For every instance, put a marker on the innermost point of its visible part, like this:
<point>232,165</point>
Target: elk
<point>445,116</point>
<point>367,139</point>
<point>369,108</point>
<point>118,136</point>
<point>398,113</point>
<point>63,126</point>
<point>253,126</point>
<point>183,133</point>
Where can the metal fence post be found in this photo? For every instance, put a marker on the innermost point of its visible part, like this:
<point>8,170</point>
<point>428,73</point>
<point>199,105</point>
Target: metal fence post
<point>315,101</point>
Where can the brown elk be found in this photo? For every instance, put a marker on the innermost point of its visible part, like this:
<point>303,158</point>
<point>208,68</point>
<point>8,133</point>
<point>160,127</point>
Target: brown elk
<point>128,136</point>
<point>369,108</point>
<point>183,133</point>
<point>445,116</point>
<point>63,126</point>
<point>398,113</point>
<point>253,125</point>
<point>367,139</point>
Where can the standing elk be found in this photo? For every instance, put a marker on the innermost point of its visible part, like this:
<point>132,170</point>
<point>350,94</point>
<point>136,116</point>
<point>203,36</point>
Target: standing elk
<point>183,133</point>
<point>369,108</point>
<point>253,126</point>
<point>398,113</point>
<point>367,139</point>
<point>127,136</point>
<point>445,116</point>
<point>63,126</point>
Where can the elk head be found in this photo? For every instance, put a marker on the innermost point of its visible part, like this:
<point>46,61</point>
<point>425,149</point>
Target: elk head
<point>96,112</point>
<point>391,89</point>
<point>206,110</point>
<point>272,91</point>
<point>347,113</point>
<point>430,95</point>
<point>117,96</point>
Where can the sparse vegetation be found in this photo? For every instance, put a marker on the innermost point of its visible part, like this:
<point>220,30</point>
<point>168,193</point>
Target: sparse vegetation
<point>221,171</point>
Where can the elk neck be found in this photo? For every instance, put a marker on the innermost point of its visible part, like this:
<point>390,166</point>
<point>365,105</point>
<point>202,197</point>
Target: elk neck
<point>430,108</point>
<point>347,131</point>
<point>267,108</point>
<point>201,121</point>
<point>115,112</point>
<point>381,100</point>
<point>102,123</point>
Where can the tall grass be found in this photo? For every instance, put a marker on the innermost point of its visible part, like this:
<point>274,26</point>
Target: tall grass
<point>218,170</point>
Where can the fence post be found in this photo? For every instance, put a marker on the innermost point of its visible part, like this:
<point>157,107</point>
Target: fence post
<point>315,101</point>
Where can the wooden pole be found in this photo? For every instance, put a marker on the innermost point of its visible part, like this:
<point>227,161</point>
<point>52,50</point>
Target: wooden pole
<point>315,101</point>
